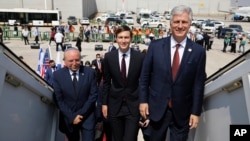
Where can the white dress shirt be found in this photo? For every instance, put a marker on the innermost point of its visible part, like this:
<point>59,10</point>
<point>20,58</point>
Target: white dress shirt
<point>127,59</point>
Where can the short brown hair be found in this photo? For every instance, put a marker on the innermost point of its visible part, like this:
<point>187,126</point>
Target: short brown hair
<point>123,28</point>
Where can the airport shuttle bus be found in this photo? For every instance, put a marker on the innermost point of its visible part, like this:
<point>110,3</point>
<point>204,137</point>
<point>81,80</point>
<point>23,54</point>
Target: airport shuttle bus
<point>31,17</point>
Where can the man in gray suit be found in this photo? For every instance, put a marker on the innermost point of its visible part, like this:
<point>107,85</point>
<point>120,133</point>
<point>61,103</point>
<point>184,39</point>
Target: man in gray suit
<point>172,81</point>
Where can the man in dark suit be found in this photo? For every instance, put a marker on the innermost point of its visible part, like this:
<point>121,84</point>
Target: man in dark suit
<point>75,94</point>
<point>120,103</point>
<point>98,65</point>
<point>112,47</point>
<point>49,72</point>
<point>172,81</point>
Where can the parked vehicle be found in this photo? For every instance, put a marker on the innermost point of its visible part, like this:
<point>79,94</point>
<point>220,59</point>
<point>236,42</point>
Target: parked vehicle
<point>235,26</point>
<point>218,23</point>
<point>209,28</point>
<point>84,21</point>
<point>153,23</point>
<point>142,15</point>
<point>72,20</point>
<point>167,16</point>
<point>198,22</point>
<point>104,17</point>
<point>129,20</point>
<point>228,30</point>
<point>115,20</point>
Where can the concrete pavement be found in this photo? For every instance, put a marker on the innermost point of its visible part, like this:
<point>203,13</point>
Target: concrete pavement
<point>216,59</point>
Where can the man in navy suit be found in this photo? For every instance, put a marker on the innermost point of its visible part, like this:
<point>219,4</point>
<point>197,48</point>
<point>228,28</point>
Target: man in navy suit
<point>170,101</point>
<point>98,65</point>
<point>49,72</point>
<point>120,103</point>
<point>112,47</point>
<point>75,89</point>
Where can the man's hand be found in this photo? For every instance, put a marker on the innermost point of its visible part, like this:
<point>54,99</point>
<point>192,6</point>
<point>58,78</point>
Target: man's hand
<point>193,121</point>
<point>144,110</point>
<point>105,111</point>
<point>77,119</point>
<point>144,123</point>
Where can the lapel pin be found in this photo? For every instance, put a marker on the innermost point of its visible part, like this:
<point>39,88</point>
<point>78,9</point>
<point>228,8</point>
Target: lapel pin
<point>189,50</point>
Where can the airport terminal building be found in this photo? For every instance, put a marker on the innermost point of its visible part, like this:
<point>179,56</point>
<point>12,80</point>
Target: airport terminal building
<point>86,8</point>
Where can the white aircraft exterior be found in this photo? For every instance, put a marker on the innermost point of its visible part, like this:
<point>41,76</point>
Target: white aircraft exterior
<point>242,13</point>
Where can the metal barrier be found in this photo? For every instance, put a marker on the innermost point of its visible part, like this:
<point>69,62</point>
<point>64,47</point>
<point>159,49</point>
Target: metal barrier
<point>45,35</point>
<point>71,36</point>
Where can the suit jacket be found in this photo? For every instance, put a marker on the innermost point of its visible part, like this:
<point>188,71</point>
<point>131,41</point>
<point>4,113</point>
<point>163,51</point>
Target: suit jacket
<point>115,90</point>
<point>70,103</point>
<point>99,73</point>
<point>186,91</point>
<point>112,48</point>
<point>49,76</point>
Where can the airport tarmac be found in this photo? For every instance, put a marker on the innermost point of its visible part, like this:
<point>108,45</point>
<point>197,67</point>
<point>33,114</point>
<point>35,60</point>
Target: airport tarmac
<point>216,59</point>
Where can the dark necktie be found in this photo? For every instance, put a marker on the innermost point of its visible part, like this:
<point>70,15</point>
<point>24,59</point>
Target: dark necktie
<point>176,62</point>
<point>74,80</point>
<point>123,67</point>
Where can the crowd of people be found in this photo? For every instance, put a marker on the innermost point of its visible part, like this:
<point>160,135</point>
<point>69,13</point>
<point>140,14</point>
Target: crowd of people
<point>116,94</point>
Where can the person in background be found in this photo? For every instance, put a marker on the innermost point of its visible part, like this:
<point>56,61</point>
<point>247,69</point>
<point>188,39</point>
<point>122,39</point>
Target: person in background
<point>66,31</point>
<point>49,72</point>
<point>199,39</point>
<point>219,32</point>
<point>29,29</point>
<point>59,40</point>
<point>172,81</point>
<point>206,38</point>
<point>87,33</point>
<point>87,64</point>
<point>233,41</point>
<point>15,29</point>
<point>81,30</point>
<point>1,35</point>
<point>243,41</point>
<point>122,69</point>
<point>112,47</point>
<point>52,34</point>
<point>79,42</point>
<point>25,34</point>
<point>75,93</point>
<point>98,63</point>
<point>36,34</point>
<point>226,42</point>
<point>211,40</point>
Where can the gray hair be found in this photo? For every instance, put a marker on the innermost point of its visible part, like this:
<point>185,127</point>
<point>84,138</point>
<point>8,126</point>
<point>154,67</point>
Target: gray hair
<point>180,9</point>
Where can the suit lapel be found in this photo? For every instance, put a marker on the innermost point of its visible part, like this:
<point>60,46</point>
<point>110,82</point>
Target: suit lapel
<point>116,63</point>
<point>68,79</point>
<point>80,80</point>
<point>166,47</point>
<point>132,63</point>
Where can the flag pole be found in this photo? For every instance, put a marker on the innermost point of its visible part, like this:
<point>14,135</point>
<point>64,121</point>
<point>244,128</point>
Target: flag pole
<point>51,58</point>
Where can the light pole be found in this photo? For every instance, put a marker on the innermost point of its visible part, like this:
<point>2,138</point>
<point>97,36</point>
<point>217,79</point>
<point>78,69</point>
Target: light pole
<point>236,4</point>
<point>45,4</point>
<point>21,3</point>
